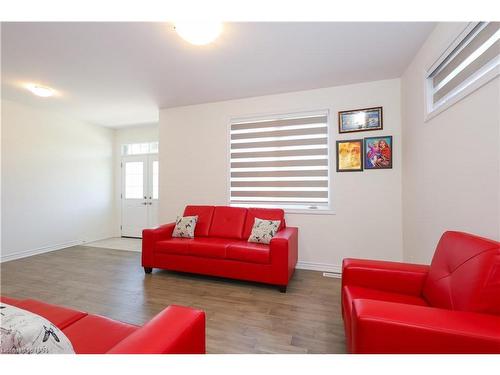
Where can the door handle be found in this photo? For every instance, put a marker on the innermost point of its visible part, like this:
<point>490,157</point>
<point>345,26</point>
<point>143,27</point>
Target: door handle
<point>144,203</point>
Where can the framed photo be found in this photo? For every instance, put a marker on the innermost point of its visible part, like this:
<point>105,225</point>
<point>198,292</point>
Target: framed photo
<point>378,152</point>
<point>360,120</point>
<point>349,155</point>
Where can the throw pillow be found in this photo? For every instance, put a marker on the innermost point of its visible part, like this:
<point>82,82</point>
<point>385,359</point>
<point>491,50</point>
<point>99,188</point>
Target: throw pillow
<point>264,230</point>
<point>184,226</point>
<point>23,332</point>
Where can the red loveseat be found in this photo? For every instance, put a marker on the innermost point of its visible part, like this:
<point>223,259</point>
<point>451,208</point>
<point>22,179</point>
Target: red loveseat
<point>451,306</point>
<point>175,330</point>
<point>220,246</point>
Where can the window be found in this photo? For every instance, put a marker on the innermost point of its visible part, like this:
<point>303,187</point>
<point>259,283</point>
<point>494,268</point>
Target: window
<point>134,180</point>
<point>471,61</point>
<point>280,162</point>
<point>140,148</point>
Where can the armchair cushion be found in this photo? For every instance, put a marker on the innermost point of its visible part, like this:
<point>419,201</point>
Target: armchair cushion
<point>389,327</point>
<point>351,293</point>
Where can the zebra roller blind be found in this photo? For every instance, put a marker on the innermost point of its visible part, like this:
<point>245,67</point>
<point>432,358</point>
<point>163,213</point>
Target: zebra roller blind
<point>280,162</point>
<point>476,55</point>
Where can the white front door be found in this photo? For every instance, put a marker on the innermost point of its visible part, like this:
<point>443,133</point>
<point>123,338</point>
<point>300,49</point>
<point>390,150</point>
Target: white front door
<point>139,194</point>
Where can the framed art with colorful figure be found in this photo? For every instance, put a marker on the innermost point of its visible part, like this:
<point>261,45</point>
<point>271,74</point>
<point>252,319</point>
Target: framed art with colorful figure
<point>350,155</point>
<point>378,152</point>
<point>360,120</point>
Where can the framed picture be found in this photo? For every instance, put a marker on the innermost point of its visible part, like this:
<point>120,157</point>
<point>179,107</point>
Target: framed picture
<point>349,155</point>
<point>360,120</point>
<point>378,152</point>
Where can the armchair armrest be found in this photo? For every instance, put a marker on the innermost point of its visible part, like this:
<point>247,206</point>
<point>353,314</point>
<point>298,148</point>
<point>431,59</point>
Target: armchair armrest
<point>175,330</point>
<point>405,278</point>
<point>284,250</point>
<point>388,327</point>
<point>150,237</point>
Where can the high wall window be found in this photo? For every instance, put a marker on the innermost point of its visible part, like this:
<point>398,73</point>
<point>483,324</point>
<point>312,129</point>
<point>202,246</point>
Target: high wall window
<point>280,161</point>
<point>472,60</point>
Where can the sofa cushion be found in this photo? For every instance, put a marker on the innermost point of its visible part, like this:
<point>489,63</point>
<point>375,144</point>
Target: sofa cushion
<point>209,247</point>
<point>263,231</point>
<point>249,252</point>
<point>61,317</point>
<point>228,222</point>
<point>24,332</point>
<point>95,334</point>
<point>204,214</point>
<point>184,226</point>
<point>174,246</point>
<point>262,213</point>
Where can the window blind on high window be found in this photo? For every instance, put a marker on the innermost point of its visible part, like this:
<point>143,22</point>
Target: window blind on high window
<point>477,54</point>
<point>280,162</point>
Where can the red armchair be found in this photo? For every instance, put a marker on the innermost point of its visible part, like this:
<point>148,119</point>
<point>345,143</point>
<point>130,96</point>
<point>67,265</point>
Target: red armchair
<point>220,246</point>
<point>451,306</point>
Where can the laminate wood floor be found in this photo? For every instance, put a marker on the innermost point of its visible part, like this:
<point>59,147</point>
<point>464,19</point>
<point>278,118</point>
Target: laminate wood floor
<point>242,317</point>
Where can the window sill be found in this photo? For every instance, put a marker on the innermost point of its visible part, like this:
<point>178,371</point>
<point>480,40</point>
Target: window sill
<point>310,212</point>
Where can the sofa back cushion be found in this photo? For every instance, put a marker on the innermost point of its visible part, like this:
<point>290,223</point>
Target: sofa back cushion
<point>228,222</point>
<point>205,214</point>
<point>465,274</point>
<point>265,214</point>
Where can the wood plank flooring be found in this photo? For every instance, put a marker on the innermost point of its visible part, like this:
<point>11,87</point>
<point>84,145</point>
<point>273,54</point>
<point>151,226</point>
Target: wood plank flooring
<point>241,317</point>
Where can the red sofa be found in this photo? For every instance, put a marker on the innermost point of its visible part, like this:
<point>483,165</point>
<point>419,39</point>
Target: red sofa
<point>220,246</point>
<point>175,330</point>
<point>451,306</point>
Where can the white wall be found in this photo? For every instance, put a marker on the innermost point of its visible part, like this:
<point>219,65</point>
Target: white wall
<point>57,181</point>
<point>451,167</point>
<point>194,170</point>
<point>133,134</point>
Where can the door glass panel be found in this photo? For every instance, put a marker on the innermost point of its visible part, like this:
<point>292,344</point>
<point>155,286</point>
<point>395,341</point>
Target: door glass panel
<point>134,181</point>
<point>155,179</point>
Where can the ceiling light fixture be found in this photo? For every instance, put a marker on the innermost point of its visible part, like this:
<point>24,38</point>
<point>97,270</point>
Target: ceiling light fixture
<point>42,91</point>
<point>198,33</point>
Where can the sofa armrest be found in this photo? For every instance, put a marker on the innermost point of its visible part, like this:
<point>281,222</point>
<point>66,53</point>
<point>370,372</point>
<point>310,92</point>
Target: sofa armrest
<point>284,250</point>
<point>388,327</point>
<point>150,237</point>
<point>405,278</point>
<point>175,330</point>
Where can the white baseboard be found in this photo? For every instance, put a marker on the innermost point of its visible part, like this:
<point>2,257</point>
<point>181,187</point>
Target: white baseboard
<point>40,250</point>
<point>324,267</point>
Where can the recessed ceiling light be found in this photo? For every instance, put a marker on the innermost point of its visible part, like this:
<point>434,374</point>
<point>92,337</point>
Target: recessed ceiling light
<point>39,90</point>
<point>198,33</point>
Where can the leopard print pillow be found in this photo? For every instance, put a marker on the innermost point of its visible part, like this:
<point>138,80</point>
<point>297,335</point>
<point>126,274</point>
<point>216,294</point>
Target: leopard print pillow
<point>264,230</point>
<point>184,226</point>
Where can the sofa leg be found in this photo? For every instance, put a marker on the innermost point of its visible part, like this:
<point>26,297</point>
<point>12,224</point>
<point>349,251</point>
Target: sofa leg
<point>148,269</point>
<point>282,288</point>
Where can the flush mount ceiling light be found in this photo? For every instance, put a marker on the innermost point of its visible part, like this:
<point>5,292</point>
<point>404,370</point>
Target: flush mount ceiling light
<point>39,90</point>
<point>198,32</point>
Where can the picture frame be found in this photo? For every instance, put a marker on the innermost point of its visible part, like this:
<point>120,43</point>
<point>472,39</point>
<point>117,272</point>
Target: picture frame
<point>378,152</point>
<point>360,120</point>
<point>350,155</point>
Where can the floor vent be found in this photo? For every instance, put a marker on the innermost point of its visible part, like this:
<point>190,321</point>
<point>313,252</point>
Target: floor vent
<point>331,274</point>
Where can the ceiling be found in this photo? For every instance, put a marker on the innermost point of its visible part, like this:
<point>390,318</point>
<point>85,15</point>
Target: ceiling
<point>120,74</point>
